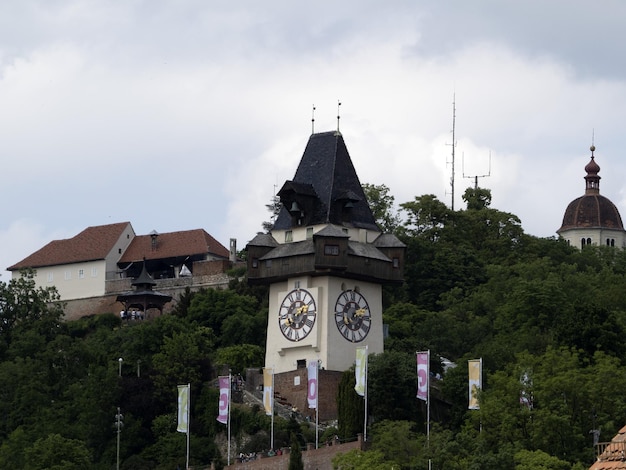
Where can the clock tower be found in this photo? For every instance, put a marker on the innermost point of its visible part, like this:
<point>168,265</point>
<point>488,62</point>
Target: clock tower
<point>325,261</point>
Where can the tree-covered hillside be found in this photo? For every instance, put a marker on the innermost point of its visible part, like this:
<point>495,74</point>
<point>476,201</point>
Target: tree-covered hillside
<point>547,320</point>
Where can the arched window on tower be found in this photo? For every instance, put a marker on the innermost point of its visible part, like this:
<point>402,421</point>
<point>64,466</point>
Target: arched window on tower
<point>582,242</point>
<point>588,241</point>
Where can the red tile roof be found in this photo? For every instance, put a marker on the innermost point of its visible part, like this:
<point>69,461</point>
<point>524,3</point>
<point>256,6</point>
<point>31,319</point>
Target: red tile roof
<point>174,244</point>
<point>613,455</point>
<point>93,243</point>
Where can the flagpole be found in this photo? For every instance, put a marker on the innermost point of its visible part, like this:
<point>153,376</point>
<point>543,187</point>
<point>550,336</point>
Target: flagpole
<point>365,419</point>
<point>428,398</point>
<point>481,386</point>
<point>272,400</point>
<point>188,419</point>
<point>230,384</point>
<point>428,406</point>
<point>317,406</point>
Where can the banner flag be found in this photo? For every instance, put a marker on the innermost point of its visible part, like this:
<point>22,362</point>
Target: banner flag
<point>268,391</point>
<point>360,370</point>
<point>475,382</point>
<point>183,408</point>
<point>422,375</point>
<point>222,416</point>
<point>312,384</point>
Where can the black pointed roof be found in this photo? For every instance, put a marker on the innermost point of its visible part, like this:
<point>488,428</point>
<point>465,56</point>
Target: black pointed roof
<point>326,186</point>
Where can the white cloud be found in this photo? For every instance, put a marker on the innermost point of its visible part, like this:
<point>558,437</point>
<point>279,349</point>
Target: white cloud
<point>179,115</point>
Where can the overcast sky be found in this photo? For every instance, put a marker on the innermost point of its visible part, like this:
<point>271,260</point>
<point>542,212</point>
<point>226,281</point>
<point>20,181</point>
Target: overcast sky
<point>176,115</point>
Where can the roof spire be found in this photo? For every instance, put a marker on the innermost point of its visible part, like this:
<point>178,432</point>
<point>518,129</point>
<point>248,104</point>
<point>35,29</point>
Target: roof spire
<point>592,180</point>
<point>313,120</point>
<point>593,145</point>
<point>338,115</point>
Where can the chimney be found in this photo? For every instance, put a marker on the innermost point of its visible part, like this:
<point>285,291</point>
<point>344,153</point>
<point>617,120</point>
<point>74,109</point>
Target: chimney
<point>233,250</point>
<point>153,235</point>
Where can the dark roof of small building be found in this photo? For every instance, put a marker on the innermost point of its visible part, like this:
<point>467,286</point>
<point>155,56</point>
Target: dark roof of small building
<point>388,240</point>
<point>173,244</point>
<point>305,247</point>
<point>263,239</point>
<point>327,176</point>
<point>591,210</point>
<point>93,243</point>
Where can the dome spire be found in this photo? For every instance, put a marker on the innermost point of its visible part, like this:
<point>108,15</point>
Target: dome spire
<point>592,180</point>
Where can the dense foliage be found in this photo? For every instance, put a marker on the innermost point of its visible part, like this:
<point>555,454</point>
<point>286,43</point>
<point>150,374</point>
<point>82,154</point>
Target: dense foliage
<point>547,320</point>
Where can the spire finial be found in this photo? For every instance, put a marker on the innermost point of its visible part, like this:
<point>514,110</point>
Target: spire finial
<point>593,146</point>
<point>338,114</point>
<point>313,120</point>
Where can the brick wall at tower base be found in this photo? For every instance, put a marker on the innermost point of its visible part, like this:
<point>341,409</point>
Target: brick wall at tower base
<point>290,389</point>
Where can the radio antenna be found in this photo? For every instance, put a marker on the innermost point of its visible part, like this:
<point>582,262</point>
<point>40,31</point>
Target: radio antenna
<point>475,177</point>
<point>453,147</point>
<point>338,114</point>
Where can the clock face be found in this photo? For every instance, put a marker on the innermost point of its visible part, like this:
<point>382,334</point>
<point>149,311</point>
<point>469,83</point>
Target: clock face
<point>352,316</point>
<point>296,315</point>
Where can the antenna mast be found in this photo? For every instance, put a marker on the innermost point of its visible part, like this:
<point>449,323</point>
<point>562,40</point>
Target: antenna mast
<point>475,177</point>
<point>453,147</point>
<point>338,114</point>
<point>313,120</point>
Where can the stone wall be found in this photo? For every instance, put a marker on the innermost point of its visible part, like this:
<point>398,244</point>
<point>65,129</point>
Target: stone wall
<point>213,277</point>
<point>313,459</point>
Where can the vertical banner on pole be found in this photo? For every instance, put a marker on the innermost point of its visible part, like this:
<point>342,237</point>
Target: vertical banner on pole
<point>475,382</point>
<point>183,408</point>
<point>312,384</point>
<point>268,391</point>
<point>360,370</point>
<point>422,375</point>
<point>222,415</point>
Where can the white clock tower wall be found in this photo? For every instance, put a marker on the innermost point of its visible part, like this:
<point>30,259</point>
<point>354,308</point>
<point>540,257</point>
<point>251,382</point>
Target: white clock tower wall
<point>324,342</point>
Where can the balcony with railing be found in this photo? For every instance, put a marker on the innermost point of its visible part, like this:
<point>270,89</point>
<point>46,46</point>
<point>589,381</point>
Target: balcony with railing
<point>611,452</point>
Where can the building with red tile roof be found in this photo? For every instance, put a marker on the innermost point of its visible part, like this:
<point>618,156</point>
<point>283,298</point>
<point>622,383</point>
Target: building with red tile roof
<point>79,266</point>
<point>101,261</point>
<point>165,254</point>
<point>611,455</point>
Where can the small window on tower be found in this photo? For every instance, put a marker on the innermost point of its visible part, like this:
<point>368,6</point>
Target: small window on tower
<point>331,250</point>
<point>288,236</point>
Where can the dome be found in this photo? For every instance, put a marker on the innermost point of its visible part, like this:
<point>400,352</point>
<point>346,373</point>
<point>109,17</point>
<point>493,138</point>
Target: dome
<point>591,211</point>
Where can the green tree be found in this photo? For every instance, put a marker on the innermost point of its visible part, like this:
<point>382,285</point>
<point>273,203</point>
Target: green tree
<point>426,217</point>
<point>392,374</point>
<point>295,455</point>
<point>359,460</point>
<point>274,208</point>
<point>55,452</point>
<point>351,407</point>
<point>381,203</point>
<point>397,442</point>
<point>240,357</point>
<point>538,460</point>
<point>184,358</point>
<point>477,198</point>
<point>25,308</point>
